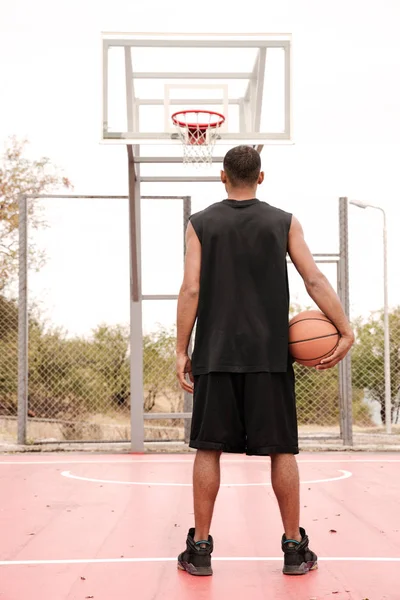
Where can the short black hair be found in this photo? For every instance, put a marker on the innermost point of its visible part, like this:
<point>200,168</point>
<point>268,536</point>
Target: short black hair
<point>242,165</point>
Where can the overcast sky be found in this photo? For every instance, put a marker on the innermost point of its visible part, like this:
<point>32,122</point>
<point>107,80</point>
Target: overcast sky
<point>347,132</point>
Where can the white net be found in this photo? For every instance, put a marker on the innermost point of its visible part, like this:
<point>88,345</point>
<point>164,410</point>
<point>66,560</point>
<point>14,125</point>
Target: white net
<point>198,132</point>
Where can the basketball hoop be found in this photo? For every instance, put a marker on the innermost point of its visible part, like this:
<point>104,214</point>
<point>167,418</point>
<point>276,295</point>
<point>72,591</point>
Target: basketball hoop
<point>198,132</point>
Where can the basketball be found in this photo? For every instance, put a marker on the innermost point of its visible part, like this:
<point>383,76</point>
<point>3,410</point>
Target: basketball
<point>312,337</point>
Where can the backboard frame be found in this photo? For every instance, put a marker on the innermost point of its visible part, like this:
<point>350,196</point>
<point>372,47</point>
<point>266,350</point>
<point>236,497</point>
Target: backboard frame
<point>250,104</point>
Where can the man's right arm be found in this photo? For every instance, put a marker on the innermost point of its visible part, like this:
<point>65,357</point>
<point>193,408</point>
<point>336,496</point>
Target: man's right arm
<point>321,291</point>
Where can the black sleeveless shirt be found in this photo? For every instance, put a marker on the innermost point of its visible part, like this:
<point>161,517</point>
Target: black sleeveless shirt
<point>243,311</point>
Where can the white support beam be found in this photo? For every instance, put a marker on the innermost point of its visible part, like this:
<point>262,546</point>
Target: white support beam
<point>248,98</point>
<point>249,104</point>
<point>185,101</point>
<point>182,43</point>
<point>191,75</point>
<point>242,116</point>
<point>104,126</point>
<point>259,91</point>
<point>130,96</point>
<point>254,75</point>
<point>288,91</point>
<point>252,101</point>
<point>247,115</point>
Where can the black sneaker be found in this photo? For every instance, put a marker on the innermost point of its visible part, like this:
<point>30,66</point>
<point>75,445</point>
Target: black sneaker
<point>299,559</point>
<point>196,559</point>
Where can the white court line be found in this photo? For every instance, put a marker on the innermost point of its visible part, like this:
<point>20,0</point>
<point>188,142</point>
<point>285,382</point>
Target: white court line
<point>189,461</point>
<point>87,561</point>
<point>69,475</point>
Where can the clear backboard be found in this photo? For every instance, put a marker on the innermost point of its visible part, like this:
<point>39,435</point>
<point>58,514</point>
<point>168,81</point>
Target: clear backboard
<point>149,77</point>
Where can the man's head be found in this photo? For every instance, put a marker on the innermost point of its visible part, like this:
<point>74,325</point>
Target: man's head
<point>242,169</point>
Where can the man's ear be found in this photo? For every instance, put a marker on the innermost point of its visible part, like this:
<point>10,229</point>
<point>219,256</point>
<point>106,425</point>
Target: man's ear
<point>223,177</point>
<point>261,178</point>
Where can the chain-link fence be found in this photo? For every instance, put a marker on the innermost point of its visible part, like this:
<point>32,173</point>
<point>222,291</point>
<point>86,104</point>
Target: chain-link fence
<point>78,361</point>
<point>162,393</point>
<point>78,386</point>
<point>375,379</point>
<point>8,367</point>
<point>317,393</point>
<point>368,376</point>
<point>78,350</point>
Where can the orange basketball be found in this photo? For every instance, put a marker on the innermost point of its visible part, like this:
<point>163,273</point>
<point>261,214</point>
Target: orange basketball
<point>312,337</point>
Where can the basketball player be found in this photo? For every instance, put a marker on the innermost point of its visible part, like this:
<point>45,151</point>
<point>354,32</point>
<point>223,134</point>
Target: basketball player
<point>236,285</point>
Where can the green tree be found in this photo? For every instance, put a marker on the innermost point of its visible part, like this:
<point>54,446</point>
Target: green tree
<point>317,392</point>
<point>8,355</point>
<point>76,376</point>
<point>61,383</point>
<point>109,358</point>
<point>317,396</point>
<point>368,358</point>
<point>72,378</point>
<point>159,367</point>
<point>19,174</point>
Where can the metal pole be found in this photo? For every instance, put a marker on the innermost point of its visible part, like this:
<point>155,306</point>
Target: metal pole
<point>136,333</point>
<point>23,320</point>
<point>187,398</point>
<point>345,367</point>
<point>180,179</point>
<point>388,394</point>
<point>341,371</point>
<point>340,366</point>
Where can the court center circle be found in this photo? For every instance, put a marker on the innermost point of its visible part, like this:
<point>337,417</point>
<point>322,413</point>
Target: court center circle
<point>69,475</point>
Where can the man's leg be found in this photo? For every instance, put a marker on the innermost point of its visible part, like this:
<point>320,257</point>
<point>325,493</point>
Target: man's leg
<point>217,421</point>
<point>206,482</point>
<point>286,485</point>
<point>196,559</point>
<point>299,559</point>
<point>271,428</point>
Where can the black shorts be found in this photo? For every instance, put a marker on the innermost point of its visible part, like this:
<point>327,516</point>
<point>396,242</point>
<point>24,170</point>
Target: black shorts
<point>252,413</point>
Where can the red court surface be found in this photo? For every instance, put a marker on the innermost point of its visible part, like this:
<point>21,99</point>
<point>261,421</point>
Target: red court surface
<point>110,527</point>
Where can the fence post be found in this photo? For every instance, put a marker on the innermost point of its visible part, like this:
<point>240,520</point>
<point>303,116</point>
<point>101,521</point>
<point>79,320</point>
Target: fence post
<point>345,382</point>
<point>340,371</point>
<point>187,398</point>
<point>136,331</point>
<point>23,319</point>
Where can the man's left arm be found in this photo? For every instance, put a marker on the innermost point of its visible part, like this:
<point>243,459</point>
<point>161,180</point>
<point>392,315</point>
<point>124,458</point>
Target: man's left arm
<point>188,301</point>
